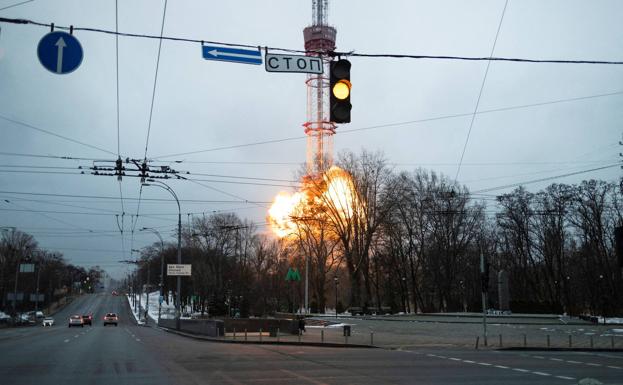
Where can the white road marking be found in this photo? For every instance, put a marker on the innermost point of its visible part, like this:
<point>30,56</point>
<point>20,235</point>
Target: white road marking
<point>541,373</point>
<point>454,359</point>
<point>76,336</point>
<point>573,362</point>
<point>501,366</point>
<point>469,362</point>
<point>614,367</point>
<point>539,357</point>
<point>484,364</point>
<point>592,364</point>
<point>521,370</point>
<point>66,341</point>
<point>565,378</point>
<point>138,340</point>
<point>556,359</point>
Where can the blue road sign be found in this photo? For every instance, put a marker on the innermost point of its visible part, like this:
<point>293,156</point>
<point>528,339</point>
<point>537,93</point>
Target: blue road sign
<point>234,55</point>
<point>59,52</point>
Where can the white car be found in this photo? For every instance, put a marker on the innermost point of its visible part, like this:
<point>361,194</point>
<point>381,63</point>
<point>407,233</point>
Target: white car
<point>75,320</point>
<point>48,321</point>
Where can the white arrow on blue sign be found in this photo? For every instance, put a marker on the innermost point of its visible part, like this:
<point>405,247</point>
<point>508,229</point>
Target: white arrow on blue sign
<point>60,52</point>
<point>234,55</point>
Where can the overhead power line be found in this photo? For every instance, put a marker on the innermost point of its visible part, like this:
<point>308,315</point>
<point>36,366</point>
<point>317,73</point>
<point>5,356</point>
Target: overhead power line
<point>482,87</point>
<point>55,134</point>
<point>395,124</point>
<point>16,5</point>
<point>547,178</point>
<point>326,53</point>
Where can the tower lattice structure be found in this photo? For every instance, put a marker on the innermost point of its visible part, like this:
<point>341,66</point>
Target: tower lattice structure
<point>319,39</point>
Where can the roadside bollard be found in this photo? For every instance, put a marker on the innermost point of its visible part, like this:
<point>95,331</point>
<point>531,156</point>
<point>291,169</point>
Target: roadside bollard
<point>477,340</point>
<point>245,334</point>
<point>300,336</point>
<point>322,336</point>
<point>548,344</point>
<point>371,338</point>
<point>612,342</point>
<point>591,342</point>
<point>260,334</point>
<point>500,340</point>
<point>234,334</point>
<point>525,341</point>
<point>570,341</point>
<point>277,334</point>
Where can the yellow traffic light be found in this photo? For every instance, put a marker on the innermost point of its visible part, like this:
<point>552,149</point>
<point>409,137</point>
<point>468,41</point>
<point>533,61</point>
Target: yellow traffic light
<point>341,89</point>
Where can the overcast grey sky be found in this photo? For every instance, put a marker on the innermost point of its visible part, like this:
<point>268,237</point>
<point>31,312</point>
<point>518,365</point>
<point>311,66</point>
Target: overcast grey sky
<point>201,105</point>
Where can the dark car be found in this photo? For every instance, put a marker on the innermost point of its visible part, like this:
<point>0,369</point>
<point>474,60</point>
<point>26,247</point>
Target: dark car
<point>87,319</point>
<point>111,318</point>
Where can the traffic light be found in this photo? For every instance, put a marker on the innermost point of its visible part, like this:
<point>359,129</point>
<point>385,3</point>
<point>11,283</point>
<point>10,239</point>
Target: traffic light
<point>340,91</point>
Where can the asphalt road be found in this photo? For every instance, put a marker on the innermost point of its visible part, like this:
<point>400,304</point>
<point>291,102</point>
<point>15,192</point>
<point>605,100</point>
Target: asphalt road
<point>130,354</point>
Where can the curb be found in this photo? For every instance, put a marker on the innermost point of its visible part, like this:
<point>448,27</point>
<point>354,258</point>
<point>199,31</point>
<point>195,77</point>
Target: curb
<point>541,349</point>
<point>501,322</point>
<point>290,343</point>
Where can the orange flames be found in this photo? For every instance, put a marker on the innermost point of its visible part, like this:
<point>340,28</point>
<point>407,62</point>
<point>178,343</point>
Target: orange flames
<point>334,193</point>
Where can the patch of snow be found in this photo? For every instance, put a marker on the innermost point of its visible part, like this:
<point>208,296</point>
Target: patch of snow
<point>616,330</point>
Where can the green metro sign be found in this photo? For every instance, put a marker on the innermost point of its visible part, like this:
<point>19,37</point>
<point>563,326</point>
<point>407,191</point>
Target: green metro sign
<point>293,275</point>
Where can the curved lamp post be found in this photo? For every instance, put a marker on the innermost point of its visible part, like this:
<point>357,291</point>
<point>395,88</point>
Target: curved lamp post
<point>153,182</point>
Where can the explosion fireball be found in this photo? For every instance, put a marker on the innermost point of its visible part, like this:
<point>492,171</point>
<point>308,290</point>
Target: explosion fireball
<point>333,193</point>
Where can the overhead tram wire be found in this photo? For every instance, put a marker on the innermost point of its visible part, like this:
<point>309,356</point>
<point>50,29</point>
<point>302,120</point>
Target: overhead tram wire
<point>482,87</point>
<point>119,178</point>
<point>151,111</point>
<point>396,124</point>
<point>327,53</point>
<point>116,198</point>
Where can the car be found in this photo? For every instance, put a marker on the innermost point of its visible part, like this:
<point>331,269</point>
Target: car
<point>48,321</point>
<point>75,320</point>
<point>111,318</point>
<point>114,292</point>
<point>87,319</point>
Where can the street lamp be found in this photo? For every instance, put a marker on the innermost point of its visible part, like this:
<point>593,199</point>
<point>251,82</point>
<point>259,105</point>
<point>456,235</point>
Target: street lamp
<point>336,283</point>
<point>163,185</point>
<point>161,267</point>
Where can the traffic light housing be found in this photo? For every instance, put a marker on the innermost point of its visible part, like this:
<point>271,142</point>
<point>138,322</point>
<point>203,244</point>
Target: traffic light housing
<point>340,86</point>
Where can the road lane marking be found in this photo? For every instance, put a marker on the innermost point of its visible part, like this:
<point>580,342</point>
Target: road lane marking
<point>138,340</point>
<point>304,378</point>
<point>501,366</point>
<point>469,362</point>
<point>66,341</point>
<point>454,359</point>
<point>521,370</point>
<point>573,362</point>
<point>541,373</point>
<point>592,364</point>
<point>614,367</point>
<point>556,359</point>
<point>539,357</point>
<point>484,364</point>
<point>565,378</point>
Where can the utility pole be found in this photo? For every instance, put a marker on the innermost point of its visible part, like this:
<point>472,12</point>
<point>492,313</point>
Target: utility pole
<point>484,283</point>
<point>37,289</point>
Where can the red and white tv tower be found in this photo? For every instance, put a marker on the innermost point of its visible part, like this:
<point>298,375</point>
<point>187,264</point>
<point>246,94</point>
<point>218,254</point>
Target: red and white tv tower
<point>319,38</point>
